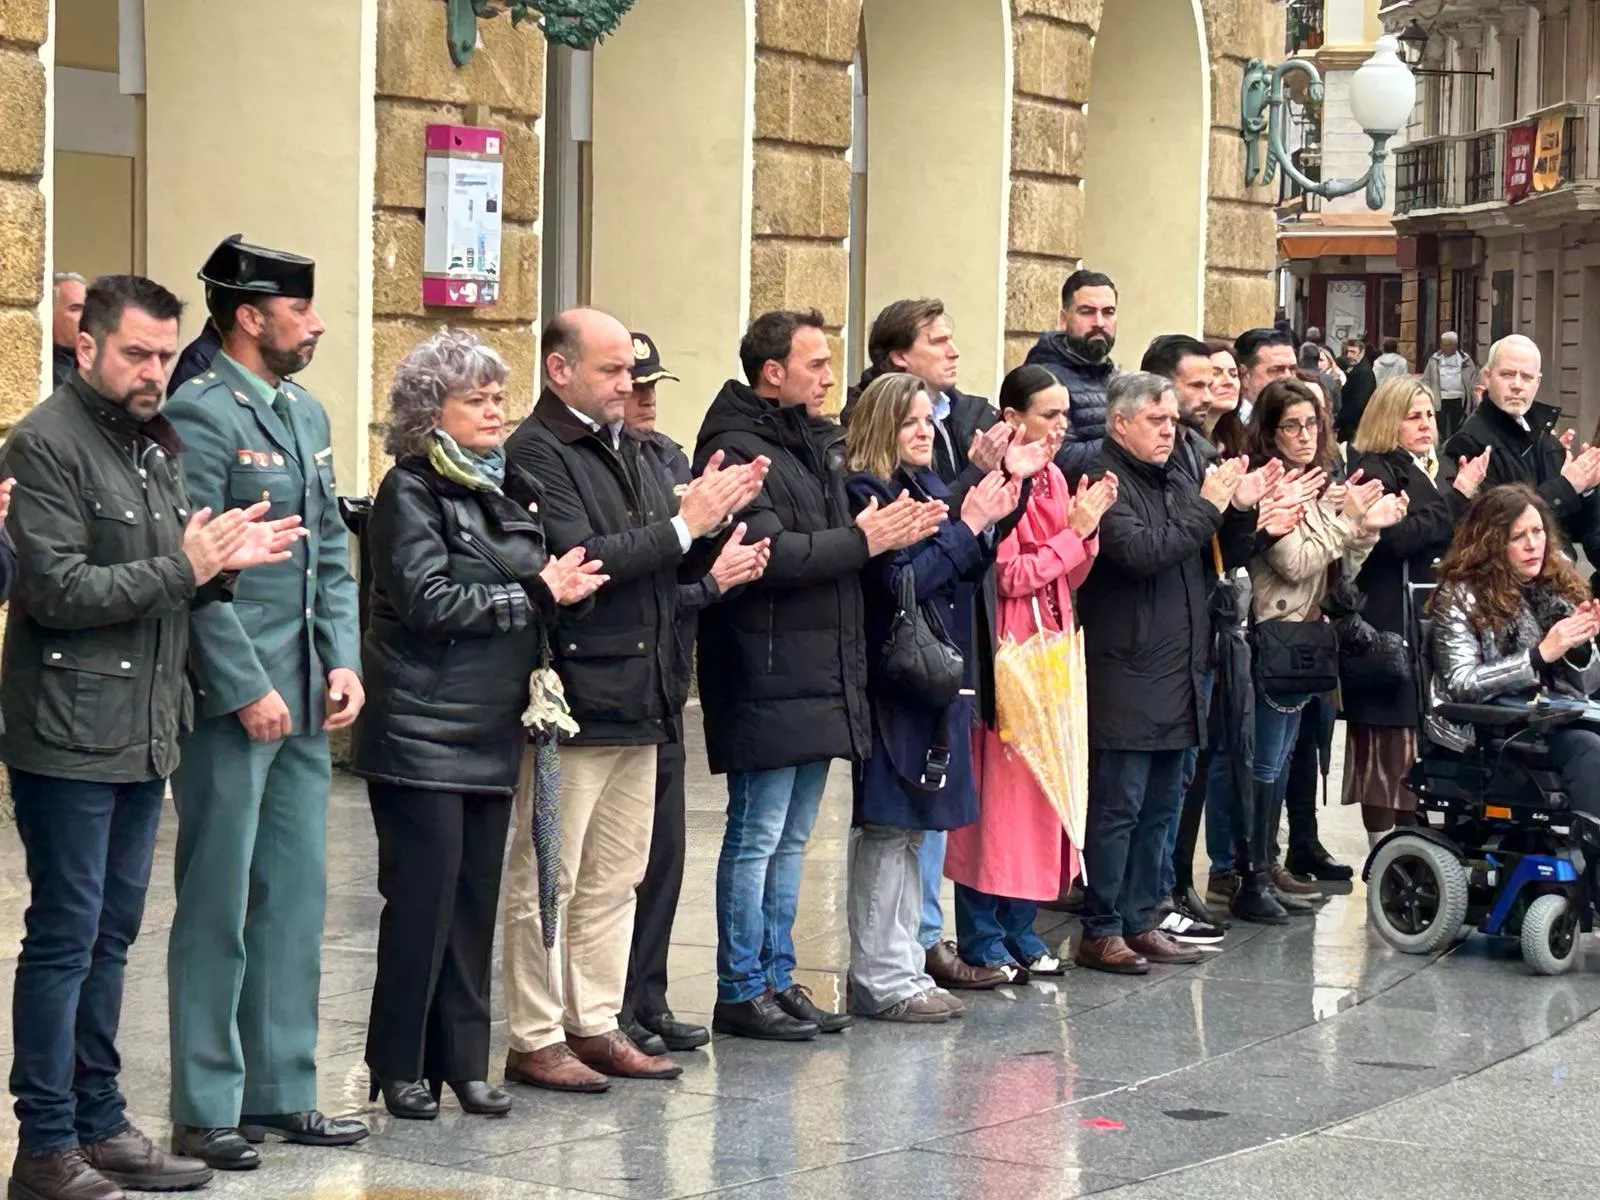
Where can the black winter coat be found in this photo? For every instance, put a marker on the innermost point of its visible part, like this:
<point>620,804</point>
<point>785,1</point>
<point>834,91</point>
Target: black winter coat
<point>1359,384</point>
<point>1409,547</point>
<point>617,662</point>
<point>457,623</point>
<point>1086,384</point>
<point>1533,456</point>
<point>1143,609</point>
<point>196,357</point>
<point>783,668</point>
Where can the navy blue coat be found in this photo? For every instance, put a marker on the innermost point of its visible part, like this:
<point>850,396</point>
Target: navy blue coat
<point>949,568</point>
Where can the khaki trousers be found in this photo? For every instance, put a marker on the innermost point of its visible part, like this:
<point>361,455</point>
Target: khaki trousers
<point>608,796</point>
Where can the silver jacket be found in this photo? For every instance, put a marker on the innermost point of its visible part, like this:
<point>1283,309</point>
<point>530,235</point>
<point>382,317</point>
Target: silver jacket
<point>1470,667</point>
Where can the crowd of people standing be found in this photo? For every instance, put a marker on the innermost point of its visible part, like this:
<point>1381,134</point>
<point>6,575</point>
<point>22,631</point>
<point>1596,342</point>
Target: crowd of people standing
<point>516,659</point>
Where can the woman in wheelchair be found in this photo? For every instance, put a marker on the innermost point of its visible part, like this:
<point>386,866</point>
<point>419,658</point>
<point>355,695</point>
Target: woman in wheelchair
<point>1512,617</point>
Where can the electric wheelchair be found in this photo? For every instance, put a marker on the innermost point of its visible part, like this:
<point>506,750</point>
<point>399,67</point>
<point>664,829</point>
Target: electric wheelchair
<point>1496,846</point>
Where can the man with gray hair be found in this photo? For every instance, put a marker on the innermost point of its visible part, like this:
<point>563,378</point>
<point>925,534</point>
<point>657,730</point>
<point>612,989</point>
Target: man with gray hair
<point>1143,610</point>
<point>1449,376</point>
<point>67,308</point>
<point>1520,432</point>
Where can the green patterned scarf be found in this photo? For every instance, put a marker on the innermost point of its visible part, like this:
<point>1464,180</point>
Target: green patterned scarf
<point>480,472</point>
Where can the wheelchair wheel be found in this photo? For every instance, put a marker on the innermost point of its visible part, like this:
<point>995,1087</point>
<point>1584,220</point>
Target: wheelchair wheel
<point>1416,894</point>
<point>1550,934</point>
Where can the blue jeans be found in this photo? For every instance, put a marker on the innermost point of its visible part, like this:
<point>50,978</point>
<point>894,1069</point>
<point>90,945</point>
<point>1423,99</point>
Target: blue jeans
<point>1132,799</point>
<point>1276,732</point>
<point>770,815</point>
<point>88,848</point>
<point>996,931</point>
<point>930,861</point>
<point>1191,762</point>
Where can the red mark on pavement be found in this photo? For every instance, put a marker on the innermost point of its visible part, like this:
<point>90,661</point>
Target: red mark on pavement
<point>1101,1123</point>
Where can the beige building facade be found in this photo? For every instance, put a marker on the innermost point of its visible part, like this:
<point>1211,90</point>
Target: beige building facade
<point>710,160</point>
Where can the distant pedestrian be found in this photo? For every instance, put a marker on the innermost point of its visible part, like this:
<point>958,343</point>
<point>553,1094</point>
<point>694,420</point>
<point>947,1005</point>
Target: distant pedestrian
<point>66,311</point>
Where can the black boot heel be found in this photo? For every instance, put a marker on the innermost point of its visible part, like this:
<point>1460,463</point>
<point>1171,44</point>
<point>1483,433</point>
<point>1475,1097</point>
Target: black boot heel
<point>406,1099</point>
<point>476,1096</point>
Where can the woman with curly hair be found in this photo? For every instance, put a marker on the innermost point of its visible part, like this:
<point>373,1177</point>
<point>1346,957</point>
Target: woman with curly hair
<point>1511,617</point>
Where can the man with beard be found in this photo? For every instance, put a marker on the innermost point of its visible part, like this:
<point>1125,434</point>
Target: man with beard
<point>110,562</point>
<point>1078,353</point>
<point>274,672</point>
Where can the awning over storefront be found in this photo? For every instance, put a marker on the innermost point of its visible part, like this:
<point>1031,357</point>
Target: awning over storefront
<point>1323,234</point>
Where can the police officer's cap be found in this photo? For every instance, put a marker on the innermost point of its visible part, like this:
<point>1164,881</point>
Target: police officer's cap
<point>240,267</point>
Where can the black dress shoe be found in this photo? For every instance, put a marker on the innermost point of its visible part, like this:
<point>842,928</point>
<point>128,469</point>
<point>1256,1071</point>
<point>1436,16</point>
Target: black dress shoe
<point>309,1128</point>
<point>678,1035</point>
<point>476,1096</point>
<point>796,1001</point>
<point>649,1043</point>
<point>761,1018</point>
<point>407,1099</point>
<point>221,1148</point>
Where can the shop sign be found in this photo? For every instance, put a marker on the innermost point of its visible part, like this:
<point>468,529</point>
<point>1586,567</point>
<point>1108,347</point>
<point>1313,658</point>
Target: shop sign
<point>1547,152</point>
<point>1520,141</point>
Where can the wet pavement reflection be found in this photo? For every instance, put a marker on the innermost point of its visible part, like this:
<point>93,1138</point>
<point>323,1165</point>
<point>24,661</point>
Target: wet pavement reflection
<point>1309,1060</point>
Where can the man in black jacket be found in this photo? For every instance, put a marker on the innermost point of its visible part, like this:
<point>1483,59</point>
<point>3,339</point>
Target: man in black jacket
<point>1359,384</point>
<point>616,665</point>
<point>1520,432</point>
<point>66,311</point>
<point>109,563</point>
<point>783,663</point>
<point>1078,353</point>
<point>1143,610</point>
<point>1263,355</point>
<point>646,1017</point>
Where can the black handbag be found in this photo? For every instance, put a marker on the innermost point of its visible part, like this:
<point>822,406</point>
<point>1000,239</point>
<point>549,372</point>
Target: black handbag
<point>1295,658</point>
<point>1370,659</point>
<point>919,662</point>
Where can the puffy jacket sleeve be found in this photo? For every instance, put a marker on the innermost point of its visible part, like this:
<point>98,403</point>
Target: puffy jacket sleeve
<point>55,580</point>
<point>798,559</point>
<point>410,562</point>
<point>1466,676</point>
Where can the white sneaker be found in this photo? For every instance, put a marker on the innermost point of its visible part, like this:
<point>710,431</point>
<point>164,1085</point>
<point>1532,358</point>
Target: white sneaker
<point>1186,929</point>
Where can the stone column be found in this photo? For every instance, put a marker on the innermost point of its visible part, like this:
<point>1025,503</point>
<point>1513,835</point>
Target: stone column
<point>24,26</point>
<point>419,85</point>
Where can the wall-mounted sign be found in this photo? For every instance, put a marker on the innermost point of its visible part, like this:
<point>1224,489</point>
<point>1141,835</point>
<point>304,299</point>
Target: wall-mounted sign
<point>1547,152</point>
<point>1519,161</point>
<point>461,241</point>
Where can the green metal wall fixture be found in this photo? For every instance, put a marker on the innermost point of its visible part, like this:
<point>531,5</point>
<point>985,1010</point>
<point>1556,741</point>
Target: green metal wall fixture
<point>576,23</point>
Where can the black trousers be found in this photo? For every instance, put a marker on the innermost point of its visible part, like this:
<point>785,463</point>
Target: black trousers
<point>646,993</point>
<point>439,862</point>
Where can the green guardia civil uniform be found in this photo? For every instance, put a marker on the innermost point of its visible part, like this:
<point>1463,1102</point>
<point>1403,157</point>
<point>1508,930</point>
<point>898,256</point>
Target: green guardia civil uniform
<point>244,962</point>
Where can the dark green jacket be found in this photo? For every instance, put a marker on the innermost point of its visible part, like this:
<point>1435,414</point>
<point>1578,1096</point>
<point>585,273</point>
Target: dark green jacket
<point>92,685</point>
<point>291,622</point>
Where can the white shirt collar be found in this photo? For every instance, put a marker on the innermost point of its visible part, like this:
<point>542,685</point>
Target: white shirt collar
<point>616,429</point>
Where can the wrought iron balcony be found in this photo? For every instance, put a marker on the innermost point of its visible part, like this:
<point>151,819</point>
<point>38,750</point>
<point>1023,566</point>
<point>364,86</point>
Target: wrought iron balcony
<point>1303,25</point>
<point>1423,173</point>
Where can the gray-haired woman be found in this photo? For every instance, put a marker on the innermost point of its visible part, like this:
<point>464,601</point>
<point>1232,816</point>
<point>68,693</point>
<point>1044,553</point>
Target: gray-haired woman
<point>462,593</point>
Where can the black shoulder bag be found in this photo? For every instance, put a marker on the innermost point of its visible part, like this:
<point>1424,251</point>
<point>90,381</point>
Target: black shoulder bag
<point>919,661</point>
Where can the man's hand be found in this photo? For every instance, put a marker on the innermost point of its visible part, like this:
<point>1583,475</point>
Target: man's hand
<point>1256,484</point>
<point>265,542</point>
<point>266,719</point>
<point>570,578</point>
<point>719,492</point>
<point>1090,502</point>
<point>1582,470</point>
<point>1470,472</point>
<point>988,449</point>
<point>902,523</point>
<point>208,543</point>
<point>1221,481</point>
<point>740,562</point>
<point>1024,460</point>
<point>345,698</point>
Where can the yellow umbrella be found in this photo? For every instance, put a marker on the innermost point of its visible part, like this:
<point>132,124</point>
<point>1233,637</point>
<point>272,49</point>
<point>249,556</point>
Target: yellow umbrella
<point>1042,714</point>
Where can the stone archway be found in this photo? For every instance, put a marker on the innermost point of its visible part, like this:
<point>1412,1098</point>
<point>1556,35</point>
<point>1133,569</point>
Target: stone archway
<point>669,225</point>
<point>1146,164</point>
<point>937,87</point>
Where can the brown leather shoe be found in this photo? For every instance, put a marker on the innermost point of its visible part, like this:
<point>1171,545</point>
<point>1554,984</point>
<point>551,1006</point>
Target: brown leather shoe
<point>131,1160</point>
<point>613,1054</point>
<point>555,1067</point>
<point>66,1175</point>
<point>949,970</point>
<point>1290,886</point>
<point>1110,954</point>
<point>1157,947</point>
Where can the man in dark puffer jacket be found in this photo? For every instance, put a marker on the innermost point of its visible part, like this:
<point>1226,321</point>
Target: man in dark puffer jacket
<point>783,663</point>
<point>1078,353</point>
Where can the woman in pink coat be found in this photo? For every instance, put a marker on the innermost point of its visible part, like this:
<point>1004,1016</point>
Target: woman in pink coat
<point>1016,854</point>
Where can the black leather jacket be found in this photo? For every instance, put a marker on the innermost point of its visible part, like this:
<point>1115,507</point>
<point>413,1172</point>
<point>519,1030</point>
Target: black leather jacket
<point>458,622</point>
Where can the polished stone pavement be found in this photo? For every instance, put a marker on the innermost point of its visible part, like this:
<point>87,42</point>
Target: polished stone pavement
<point>1304,1062</point>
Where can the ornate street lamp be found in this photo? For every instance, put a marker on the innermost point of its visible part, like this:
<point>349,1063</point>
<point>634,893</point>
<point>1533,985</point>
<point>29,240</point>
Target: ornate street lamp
<point>1382,95</point>
<point>576,23</point>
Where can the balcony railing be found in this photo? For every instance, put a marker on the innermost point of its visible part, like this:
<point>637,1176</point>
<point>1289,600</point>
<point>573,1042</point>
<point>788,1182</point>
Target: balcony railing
<point>1470,169</point>
<point>1303,25</point>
